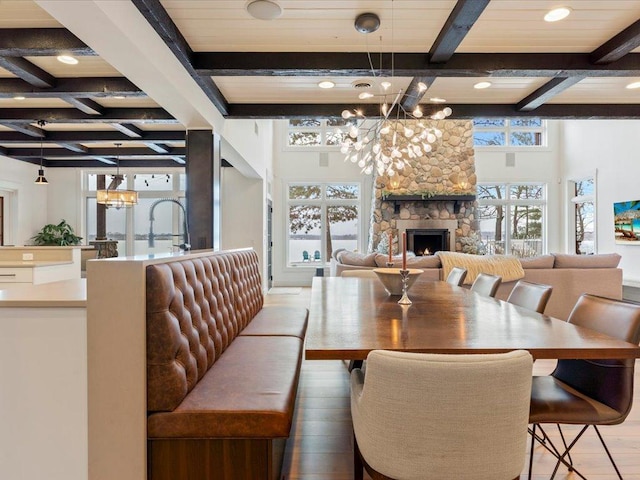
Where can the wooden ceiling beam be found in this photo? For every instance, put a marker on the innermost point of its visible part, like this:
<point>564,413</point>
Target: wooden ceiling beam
<point>158,147</point>
<point>26,129</point>
<point>546,92</point>
<point>414,93</point>
<point>617,47</point>
<point>41,42</point>
<point>74,147</point>
<point>27,71</point>
<point>123,152</point>
<point>74,87</point>
<point>129,130</point>
<point>159,19</point>
<point>85,105</point>
<point>84,136</point>
<point>336,64</point>
<point>463,16</point>
<point>71,115</point>
<point>166,162</point>
<point>460,111</point>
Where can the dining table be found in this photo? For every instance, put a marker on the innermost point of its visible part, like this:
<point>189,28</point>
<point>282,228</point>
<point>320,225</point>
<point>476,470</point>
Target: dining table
<point>349,317</point>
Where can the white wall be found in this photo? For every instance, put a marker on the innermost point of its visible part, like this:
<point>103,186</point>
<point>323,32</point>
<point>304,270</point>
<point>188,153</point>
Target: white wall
<point>611,147</point>
<point>25,202</point>
<point>539,165</point>
<point>304,166</point>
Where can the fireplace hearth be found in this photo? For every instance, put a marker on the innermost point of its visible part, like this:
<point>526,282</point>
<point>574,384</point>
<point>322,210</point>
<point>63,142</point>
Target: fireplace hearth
<point>428,241</point>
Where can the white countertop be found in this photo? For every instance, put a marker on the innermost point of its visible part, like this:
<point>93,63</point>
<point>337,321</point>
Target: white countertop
<point>32,263</point>
<point>66,293</point>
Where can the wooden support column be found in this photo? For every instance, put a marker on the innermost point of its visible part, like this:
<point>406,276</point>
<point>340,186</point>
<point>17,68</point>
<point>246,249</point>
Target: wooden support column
<point>203,189</point>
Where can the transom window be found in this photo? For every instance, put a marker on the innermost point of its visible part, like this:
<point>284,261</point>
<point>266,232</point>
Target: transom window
<point>321,217</point>
<point>509,132</point>
<point>584,225</point>
<point>317,132</point>
<point>512,218</point>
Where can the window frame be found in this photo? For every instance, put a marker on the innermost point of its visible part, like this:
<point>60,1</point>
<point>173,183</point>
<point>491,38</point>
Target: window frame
<point>323,202</point>
<point>507,129</point>
<point>323,129</point>
<point>508,203</point>
<point>129,174</point>
<point>572,201</point>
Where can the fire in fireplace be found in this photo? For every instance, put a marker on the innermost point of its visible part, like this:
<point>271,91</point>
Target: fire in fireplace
<point>427,241</point>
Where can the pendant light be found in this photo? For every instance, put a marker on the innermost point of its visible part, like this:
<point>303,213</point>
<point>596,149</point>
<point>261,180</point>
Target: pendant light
<point>41,180</point>
<point>111,196</point>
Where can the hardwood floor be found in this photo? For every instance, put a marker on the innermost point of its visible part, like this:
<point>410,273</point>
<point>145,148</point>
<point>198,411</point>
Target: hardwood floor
<point>321,447</point>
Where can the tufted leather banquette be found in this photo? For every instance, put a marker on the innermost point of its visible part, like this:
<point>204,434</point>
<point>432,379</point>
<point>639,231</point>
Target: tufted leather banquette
<point>222,369</point>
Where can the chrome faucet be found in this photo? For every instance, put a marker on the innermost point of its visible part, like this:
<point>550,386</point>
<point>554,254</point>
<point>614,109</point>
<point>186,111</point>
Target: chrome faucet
<point>186,242</point>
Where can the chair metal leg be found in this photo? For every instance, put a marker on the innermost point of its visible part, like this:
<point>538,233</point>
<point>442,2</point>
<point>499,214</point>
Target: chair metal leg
<point>566,449</point>
<point>358,466</point>
<point>604,445</point>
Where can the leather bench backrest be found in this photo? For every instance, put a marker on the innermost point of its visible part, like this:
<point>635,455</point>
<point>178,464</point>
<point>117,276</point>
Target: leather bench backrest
<point>195,308</point>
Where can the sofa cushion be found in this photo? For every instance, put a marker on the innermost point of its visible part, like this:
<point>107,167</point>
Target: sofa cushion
<point>357,259</point>
<point>381,259</point>
<point>278,320</point>
<point>250,392</point>
<point>541,261</point>
<point>603,260</point>
<point>425,261</point>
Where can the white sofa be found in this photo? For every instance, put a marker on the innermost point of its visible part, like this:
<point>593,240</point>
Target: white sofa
<point>569,275</point>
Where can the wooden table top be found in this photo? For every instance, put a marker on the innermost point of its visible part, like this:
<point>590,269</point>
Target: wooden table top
<point>349,317</point>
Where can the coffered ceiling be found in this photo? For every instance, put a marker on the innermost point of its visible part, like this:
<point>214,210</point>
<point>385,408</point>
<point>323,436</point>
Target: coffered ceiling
<point>578,67</point>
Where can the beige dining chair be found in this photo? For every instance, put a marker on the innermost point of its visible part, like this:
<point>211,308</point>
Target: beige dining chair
<point>441,417</point>
<point>587,392</point>
<point>359,273</point>
<point>486,284</point>
<point>533,296</point>
<point>456,276</point>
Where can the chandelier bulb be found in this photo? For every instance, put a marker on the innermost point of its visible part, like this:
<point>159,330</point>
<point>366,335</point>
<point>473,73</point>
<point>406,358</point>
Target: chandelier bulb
<point>417,112</point>
<point>385,85</point>
<point>346,114</point>
<point>447,111</point>
<point>422,87</point>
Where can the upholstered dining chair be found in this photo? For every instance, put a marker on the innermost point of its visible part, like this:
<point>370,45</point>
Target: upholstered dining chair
<point>533,296</point>
<point>486,284</point>
<point>359,273</point>
<point>587,392</point>
<point>441,417</point>
<point>456,276</point>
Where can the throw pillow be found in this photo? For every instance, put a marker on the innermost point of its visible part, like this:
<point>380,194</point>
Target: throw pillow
<point>603,260</point>
<point>541,261</point>
<point>357,259</point>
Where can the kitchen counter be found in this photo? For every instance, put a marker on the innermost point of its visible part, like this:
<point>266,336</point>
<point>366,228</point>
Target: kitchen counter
<point>32,264</point>
<point>66,293</point>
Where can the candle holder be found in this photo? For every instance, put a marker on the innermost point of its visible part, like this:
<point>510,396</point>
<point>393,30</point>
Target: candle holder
<point>404,275</point>
<point>389,264</point>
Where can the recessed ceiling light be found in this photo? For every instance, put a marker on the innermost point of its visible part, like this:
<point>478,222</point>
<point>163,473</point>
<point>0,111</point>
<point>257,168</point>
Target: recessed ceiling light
<point>264,9</point>
<point>437,100</point>
<point>68,59</point>
<point>633,85</point>
<point>20,97</point>
<point>557,14</point>
<point>326,84</point>
<point>481,85</point>
<point>119,97</point>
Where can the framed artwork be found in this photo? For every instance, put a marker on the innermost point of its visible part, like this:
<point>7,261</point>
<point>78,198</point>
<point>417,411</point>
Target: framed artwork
<point>626,219</point>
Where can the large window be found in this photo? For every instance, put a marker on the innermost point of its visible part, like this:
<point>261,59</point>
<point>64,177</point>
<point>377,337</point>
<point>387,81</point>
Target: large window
<point>317,132</point>
<point>321,217</point>
<point>511,218</point>
<point>130,227</point>
<point>584,224</point>
<point>509,132</point>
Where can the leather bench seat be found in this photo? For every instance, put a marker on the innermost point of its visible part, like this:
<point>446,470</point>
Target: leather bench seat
<point>250,393</point>
<point>278,320</point>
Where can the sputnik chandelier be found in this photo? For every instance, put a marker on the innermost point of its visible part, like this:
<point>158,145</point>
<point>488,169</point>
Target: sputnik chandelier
<point>388,143</point>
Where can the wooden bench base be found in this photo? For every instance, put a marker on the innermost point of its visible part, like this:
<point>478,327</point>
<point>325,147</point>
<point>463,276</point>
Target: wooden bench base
<point>215,459</point>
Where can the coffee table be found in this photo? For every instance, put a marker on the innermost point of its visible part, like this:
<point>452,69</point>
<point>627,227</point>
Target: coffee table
<point>349,317</point>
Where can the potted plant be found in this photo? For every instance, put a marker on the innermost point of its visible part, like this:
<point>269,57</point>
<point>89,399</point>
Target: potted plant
<point>59,235</point>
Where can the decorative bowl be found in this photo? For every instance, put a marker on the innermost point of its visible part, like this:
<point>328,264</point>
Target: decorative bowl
<point>392,281</point>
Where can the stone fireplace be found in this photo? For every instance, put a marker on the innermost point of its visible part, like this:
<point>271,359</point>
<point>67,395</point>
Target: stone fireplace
<point>433,200</point>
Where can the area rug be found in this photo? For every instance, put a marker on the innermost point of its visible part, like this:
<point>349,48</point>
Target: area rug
<point>285,291</point>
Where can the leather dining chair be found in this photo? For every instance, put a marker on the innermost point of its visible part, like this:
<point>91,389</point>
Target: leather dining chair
<point>587,392</point>
<point>486,284</point>
<point>533,296</point>
<point>436,416</point>
<point>456,276</point>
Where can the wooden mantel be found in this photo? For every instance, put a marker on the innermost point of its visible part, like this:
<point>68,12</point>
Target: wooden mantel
<point>457,199</point>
